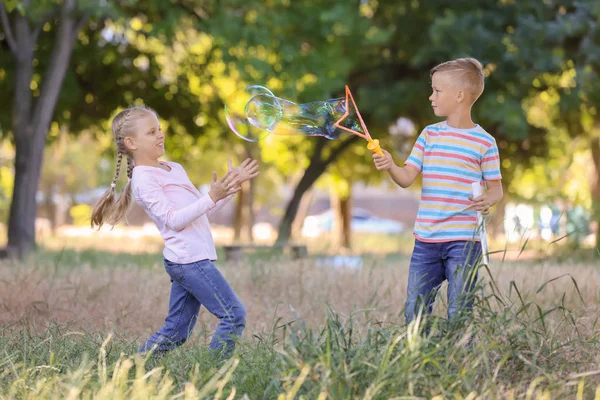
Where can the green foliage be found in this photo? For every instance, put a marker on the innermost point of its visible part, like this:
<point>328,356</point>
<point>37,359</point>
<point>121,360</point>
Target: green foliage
<point>186,59</point>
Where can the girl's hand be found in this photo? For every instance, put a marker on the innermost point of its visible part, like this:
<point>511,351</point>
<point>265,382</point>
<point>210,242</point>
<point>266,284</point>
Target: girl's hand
<point>219,189</point>
<point>246,171</point>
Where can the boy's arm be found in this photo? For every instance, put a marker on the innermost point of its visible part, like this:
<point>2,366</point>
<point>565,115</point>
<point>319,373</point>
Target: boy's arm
<point>402,176</point>
<point>494,191</point>
<point>490,168</point>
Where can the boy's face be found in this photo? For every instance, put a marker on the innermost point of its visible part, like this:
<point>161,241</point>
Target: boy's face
<point>445,97</point>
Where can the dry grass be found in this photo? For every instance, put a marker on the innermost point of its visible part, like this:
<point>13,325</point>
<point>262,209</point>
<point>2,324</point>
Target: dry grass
<point>133,298</point>
<point>536,331</point>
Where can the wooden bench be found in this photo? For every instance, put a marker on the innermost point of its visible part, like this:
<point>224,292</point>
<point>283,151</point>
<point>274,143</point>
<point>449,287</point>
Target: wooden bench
<point>235,252</point>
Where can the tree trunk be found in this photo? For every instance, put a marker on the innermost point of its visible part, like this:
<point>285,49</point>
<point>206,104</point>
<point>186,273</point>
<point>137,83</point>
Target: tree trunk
<point>50,209</point>
<point>305,203</point>
<point>315,169</point>
<point>31,124</point>
<point>595,146</point>
<point>312,173</point>
<point>244,210</point>
<point>341,207</point>
<point>244,215</point>
<point>21,225</point>
<point>346,219</point>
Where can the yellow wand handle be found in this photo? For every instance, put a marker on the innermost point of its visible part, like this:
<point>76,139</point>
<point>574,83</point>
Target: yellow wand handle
<point>374,147</point>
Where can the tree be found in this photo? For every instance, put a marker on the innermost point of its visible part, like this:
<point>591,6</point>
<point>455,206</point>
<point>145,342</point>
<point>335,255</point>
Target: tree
<point>303,51</point>
<point>22,24</point>
<point>44,88</point>
<point>574,32</point>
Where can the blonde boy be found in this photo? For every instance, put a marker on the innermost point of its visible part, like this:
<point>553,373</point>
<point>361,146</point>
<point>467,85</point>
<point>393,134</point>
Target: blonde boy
<point>451,154</point>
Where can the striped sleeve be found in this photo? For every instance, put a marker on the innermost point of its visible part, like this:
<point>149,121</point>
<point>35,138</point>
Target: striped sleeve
<point>415,160</point>
<point>490,164</point>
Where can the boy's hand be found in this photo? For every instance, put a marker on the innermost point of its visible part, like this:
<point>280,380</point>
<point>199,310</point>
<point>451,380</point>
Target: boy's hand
<point>219,189</point>
<point>480,204</point>
<point>384,163</point>
<point>245,171</point>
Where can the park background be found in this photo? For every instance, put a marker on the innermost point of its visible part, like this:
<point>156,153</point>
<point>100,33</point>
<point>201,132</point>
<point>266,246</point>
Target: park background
<point>75,303</point>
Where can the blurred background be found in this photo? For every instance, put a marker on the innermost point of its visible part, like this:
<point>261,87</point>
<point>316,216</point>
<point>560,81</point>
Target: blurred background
<point>67,67</point>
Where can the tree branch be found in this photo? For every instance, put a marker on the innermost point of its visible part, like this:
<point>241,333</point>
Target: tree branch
<point>7,29</point>
<point>318,150</point>
<point>198,12</point>
<point>38,29</point>
<point>79,25</point>
<point>55,73</point>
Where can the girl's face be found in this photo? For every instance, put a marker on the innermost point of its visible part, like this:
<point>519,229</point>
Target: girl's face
<point>149,140</point>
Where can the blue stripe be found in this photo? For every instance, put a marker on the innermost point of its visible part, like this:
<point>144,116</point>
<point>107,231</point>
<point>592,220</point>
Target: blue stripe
<point>447,234</point>
<point>455,149</point>
<point>435,212</point>
<point>461,195</point>
<point>436,127</point>
<point>415,160</point>
<point>454,171</point>
<point>467,164</point>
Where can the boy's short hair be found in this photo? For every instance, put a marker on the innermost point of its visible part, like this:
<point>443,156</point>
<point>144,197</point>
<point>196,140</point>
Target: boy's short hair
<point>468,72</point>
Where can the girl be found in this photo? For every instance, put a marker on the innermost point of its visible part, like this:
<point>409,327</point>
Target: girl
<point>181,214</point>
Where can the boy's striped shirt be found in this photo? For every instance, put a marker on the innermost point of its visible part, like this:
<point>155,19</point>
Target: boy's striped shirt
<point>450,160</point>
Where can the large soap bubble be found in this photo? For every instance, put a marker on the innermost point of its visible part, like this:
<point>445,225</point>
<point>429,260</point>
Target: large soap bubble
<point>257,113</point>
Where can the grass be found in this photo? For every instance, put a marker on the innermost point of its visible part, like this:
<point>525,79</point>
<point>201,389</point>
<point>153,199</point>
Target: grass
<point>72,320</point>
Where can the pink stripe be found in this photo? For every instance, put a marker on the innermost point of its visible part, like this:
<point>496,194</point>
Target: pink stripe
<point>451,155</point>
<point>453,219</point>
<point>469,138</point>
<point>410,164</point>
<point>491,158</point>
<point>447,178</point>
<point>445,200</point>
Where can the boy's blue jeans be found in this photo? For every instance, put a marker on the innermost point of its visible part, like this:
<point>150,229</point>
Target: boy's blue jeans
<point>193,285</point>
<point>430,265</point>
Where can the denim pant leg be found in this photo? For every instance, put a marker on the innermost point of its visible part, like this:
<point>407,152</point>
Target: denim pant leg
<point>211,289</point>
<point>425,276</point>
<point>460,261</point>
<point>180,321</point>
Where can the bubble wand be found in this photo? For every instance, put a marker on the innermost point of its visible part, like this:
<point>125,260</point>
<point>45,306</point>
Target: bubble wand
<point>373,143</point>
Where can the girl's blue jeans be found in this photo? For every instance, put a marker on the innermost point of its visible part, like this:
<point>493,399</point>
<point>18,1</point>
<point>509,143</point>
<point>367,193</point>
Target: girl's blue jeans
<point>193,285</point>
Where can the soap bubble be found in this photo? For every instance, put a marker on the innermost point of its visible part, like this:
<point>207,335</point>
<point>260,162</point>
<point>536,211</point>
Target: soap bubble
<point>257,113</point>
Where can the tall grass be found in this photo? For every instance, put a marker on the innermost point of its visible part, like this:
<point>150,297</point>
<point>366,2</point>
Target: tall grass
<point>72,323</point>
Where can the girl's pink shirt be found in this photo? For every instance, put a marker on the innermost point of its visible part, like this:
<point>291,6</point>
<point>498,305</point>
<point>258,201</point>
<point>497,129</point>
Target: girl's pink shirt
<point>179,211</point>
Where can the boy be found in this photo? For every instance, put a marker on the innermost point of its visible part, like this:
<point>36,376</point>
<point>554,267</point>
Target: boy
<point>451,154</point>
